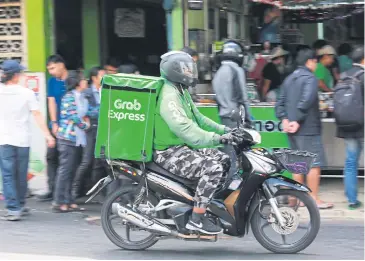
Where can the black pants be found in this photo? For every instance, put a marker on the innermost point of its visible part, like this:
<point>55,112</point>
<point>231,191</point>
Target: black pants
<point>83,174</point>
<point>52,165</point>
<point>68,159</point>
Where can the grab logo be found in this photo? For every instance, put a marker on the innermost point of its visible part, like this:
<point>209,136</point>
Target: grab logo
<point>127,110</point>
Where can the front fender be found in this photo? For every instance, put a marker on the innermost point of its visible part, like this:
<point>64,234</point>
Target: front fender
<point>280,182</point>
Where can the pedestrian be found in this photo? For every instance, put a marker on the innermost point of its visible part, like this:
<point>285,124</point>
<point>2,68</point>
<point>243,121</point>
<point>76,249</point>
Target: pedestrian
<point>344,60</point>
<point>92,94</point>
<point>354,135</point>
<point>273,74</point>
<point>128,68</point>
<point>298,109</point>
<point>111,67</point>
<point>17,104</point>
<point>74,120</point>
<point>326,57</point>
<point>193,53</point>
<point>1,187</point>
<point>56,67</point>
<point>229,85</point>
<point>334,67</point>
<point>266,48</point>
<point>95,85</point>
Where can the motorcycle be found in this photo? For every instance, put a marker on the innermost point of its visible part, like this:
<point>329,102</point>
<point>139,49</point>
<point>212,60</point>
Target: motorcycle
<point>160,203</point>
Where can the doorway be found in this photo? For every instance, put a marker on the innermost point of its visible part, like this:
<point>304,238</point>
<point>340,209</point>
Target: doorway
<point>134,31</point>
<point>68,32</point>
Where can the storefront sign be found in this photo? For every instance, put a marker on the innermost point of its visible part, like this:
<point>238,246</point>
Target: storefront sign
<point>195,4</point>
<point>129,22</point>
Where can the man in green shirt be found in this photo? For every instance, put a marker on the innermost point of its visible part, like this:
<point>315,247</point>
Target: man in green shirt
<point>326,58</point>
<point>185,139</point>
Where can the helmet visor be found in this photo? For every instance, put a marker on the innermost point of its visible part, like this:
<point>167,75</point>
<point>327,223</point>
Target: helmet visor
<point>189,69</point>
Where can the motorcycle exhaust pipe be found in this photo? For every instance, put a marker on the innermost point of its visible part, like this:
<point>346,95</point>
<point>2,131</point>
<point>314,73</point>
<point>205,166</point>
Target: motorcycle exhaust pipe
<point>142,221</point>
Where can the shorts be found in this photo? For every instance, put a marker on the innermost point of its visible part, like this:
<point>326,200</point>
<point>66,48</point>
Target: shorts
<point>311,144</point>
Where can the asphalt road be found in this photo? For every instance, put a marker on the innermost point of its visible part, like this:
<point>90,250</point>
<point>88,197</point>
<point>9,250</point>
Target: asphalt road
<point>46,235</point>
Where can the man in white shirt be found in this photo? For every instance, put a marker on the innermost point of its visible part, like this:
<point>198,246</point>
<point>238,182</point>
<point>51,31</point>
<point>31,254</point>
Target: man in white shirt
<point>17,104</point>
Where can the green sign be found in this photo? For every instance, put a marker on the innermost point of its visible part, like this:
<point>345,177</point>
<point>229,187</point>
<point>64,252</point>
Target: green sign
<point>264,121</point>
<point>218,46</point>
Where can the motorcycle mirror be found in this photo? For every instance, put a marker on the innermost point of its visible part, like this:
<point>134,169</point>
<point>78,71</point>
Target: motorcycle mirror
<point>242,113</point>
<point>236,116</point>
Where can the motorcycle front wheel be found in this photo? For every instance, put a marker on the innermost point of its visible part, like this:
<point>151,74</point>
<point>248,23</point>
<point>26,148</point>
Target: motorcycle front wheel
<point>123,237</point>
<point>292,205</point>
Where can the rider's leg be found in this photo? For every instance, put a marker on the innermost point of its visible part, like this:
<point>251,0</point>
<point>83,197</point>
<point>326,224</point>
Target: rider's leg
<point>206,165</point>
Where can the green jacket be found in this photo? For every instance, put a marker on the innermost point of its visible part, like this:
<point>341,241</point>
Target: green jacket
<point>178,122</point>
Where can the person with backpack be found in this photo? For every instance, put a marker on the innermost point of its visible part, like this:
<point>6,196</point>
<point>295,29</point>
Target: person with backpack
<point>229,85</point>
<point>349,115</point>
<point>298,110</point>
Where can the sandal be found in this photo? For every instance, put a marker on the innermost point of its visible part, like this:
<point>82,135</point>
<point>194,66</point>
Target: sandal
<point>59,209</point>
<point>74,207</point>
<point>324,205</point>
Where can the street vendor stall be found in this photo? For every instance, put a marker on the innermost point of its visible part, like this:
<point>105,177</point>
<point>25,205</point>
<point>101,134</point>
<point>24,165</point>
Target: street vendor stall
<point>303,11</point>
<point>263,117</point>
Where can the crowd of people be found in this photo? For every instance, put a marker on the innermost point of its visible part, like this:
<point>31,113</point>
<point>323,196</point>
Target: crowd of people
<point>298,109</point>
<point>276,64</point>
<point>73,105</point>
<point>293,81</point>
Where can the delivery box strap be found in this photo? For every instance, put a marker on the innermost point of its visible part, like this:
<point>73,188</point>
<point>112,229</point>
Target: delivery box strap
<point>128,89</point>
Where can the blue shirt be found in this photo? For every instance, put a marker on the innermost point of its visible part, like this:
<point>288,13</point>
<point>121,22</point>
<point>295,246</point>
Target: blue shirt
<point>56,89</point>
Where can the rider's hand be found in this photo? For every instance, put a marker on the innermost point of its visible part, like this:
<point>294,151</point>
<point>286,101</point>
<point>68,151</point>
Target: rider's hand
<point>229,138</point>
<point>227,129</point>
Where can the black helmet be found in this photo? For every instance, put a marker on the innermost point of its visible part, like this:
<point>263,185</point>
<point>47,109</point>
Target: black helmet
<point>179,67</point>
<point>232,51</point>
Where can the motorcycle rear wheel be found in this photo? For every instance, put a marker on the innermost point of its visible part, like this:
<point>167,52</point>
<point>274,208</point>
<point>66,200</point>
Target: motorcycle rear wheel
<point>315,221</point>
<point>111,233</point>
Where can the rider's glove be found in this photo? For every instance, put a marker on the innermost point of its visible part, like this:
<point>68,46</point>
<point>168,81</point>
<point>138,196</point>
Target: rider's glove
<point>229,138</point>
<point>227,129</point>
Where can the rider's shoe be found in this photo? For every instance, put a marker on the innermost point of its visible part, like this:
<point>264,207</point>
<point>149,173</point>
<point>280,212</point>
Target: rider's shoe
<point>201,223</point>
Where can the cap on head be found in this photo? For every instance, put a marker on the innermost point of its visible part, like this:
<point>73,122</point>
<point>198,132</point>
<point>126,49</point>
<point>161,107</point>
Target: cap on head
<point>278,52</point>
<point>326,50</point>
<point>12,66</point>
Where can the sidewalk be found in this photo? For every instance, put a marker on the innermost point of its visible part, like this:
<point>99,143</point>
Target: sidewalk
<point>331,191</point>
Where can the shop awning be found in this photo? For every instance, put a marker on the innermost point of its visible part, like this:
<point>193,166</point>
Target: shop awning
<point>309,4</point>
<point>315,11</point>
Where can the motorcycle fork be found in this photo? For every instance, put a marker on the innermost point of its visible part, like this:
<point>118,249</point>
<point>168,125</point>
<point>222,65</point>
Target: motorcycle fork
<point>274,204</point>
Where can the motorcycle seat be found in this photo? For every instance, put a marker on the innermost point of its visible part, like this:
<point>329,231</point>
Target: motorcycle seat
<point>154,167</point>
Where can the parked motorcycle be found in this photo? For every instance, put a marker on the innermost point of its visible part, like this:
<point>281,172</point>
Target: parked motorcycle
<point>161,203</point>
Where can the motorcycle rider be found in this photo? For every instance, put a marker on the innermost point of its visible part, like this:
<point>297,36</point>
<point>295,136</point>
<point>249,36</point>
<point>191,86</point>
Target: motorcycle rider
<point>185,139</point>
<point>229,85</point>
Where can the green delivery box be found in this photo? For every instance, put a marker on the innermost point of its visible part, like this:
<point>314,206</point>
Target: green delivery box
<point>126,117</point>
